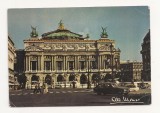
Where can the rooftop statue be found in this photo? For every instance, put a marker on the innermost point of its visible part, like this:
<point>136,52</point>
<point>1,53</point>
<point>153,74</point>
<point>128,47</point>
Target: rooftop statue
<point>61,25</point>
<point>34,32</point>
<point>104,32</point>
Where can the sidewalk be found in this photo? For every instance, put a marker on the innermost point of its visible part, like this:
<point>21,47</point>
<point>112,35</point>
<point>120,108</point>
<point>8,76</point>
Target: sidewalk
<point>141,91</point>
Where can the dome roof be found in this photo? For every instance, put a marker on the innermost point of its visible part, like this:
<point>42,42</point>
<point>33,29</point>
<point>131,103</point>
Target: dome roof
<point>62,34</point>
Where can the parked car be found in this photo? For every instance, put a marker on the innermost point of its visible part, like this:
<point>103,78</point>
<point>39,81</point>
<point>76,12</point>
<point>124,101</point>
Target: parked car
<point>110,88</point>
<point>132,87</point>
<point>144,85</point>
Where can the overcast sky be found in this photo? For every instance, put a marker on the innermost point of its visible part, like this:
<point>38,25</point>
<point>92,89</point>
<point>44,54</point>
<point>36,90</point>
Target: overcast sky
<point>126,25</point>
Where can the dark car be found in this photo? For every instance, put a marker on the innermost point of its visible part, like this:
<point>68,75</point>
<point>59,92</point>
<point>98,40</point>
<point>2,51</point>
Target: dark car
<point>110,88</point>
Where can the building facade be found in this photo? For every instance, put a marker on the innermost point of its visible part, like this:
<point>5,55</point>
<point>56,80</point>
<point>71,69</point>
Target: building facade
<point>131,71</point>
<point>11,61</point>
<point>146,73</point>
<point>19,65</point>
<point>65,56</point>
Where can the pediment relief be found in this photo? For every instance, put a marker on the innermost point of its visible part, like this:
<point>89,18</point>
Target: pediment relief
<point>33,58</point>
<point>70,57</point>
<point>47,46</point>
<point>106,48</point>
<point>33,48</point>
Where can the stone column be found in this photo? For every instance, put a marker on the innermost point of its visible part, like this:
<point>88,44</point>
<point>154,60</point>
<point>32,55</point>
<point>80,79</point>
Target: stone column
<point>67,63</point>
<point>39,63</point>
<point>63,63</point>
<point>89,64</point>
<point>78,62</point>
<point>42,63</point>
<point>29,62</point>
<point>86,63</point>
<point>55,63</point>
<point>102,61</point>
<point>75,62</point>
<point>51,63</point>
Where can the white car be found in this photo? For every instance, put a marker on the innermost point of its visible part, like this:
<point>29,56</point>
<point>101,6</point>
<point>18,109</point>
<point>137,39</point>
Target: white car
<point>133,88</point>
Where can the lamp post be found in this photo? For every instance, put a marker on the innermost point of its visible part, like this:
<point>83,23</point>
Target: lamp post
<point>111,49</point>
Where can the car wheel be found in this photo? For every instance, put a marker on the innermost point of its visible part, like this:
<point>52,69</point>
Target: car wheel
<point>125,94</point>
<point>121,92</point>
<point>98,93</point>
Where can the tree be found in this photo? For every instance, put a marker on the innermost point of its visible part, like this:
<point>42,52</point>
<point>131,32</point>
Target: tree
<point>22,80</point>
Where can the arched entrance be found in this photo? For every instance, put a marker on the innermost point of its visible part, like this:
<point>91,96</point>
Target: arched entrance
<point>108,78</point>
<point>48,79</point>
<point>95,78</point>
<point>60,78</point>
<point>83,79</point>
<point>72,77</point>
<point>34,79</point>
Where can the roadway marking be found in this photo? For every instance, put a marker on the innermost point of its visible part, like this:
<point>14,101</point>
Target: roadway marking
<point>56,92</point>
<point>82,91</point>
<point>63,92</point>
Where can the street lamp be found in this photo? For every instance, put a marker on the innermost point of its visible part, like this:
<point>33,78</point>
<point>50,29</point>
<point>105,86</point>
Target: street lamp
<point>111,48</point>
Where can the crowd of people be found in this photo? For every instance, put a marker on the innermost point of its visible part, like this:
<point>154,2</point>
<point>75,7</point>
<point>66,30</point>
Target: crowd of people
<point>41,89</point>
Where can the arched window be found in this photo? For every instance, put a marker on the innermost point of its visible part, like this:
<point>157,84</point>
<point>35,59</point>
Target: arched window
<point>95,77</point>
<point>59,78</point>
<point>34,79</point>
<point>48,79</point>
<point>71,77</point>
<point>83,79</point>
<point>108,77</point>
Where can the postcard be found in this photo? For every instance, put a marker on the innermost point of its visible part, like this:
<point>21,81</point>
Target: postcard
<point>86,56</point>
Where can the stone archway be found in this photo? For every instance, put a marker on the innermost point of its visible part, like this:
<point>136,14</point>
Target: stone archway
<point>72,77</point>
<point>108,78</point>
<point>60,78</point>
<point>95,78</point>
<point>48,79</point>
<point>83,79</point>
<point>34,79</point>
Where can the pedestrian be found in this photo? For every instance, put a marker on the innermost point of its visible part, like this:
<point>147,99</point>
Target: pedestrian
<point>22,88</point>
<point>45,88</point>
<point>35,89</point>
<point>39,88</point>
<point>70,85</point>
<point>73,83</point>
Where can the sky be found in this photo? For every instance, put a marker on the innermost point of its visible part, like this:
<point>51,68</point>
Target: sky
<point>126,25</point>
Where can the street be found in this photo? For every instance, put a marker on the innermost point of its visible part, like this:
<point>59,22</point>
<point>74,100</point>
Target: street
<point>75,97</point>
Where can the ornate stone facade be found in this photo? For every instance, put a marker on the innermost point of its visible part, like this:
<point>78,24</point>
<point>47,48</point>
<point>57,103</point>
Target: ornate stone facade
<point>64,56</point>
<point>11,61</point>
<point>131,71</point>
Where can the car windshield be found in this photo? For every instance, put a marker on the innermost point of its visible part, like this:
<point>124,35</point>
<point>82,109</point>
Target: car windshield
<point>113,85</point>
<point>130,86</point>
